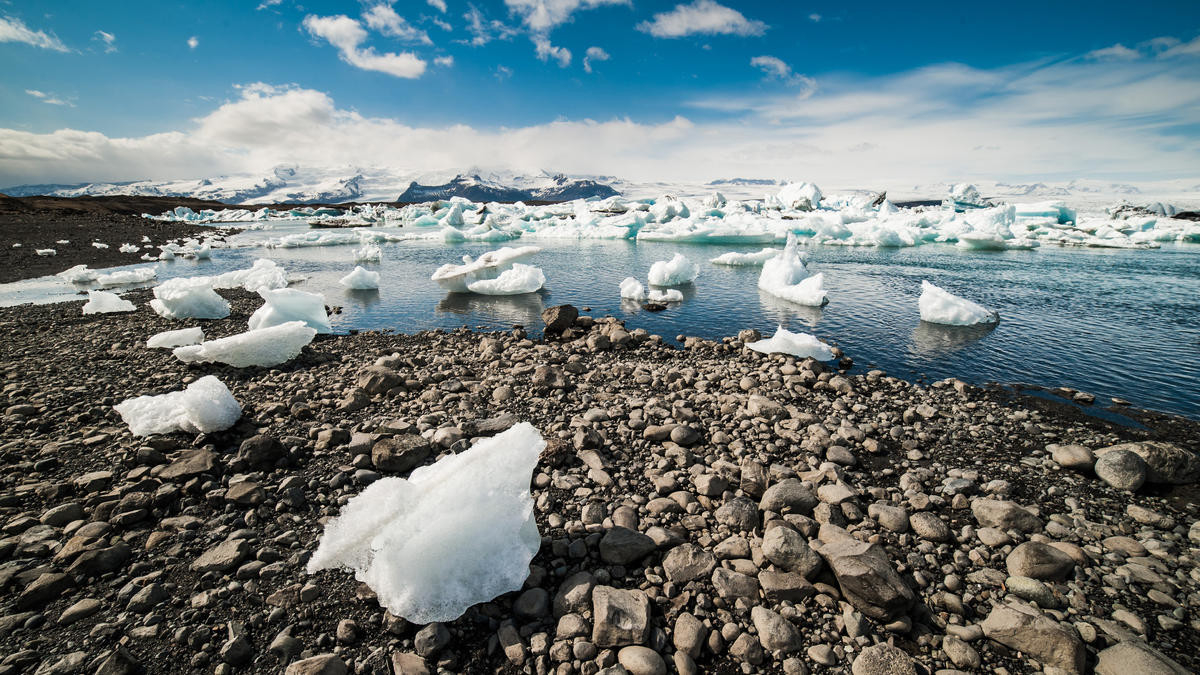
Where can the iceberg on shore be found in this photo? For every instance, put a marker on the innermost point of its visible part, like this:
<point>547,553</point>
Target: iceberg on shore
<point>264,347</point>
<point>490,265</point>
<point>940,306</point>
<point>456,533</point>
<point>189,298</point>
<point>103,302</point>
<point>284,305</point>
<point>801,345</point>
<point>515,280</point>
<point>262,275</point>
<point>734,259</point>
<point>138,275</point>
<point>176,338</point>
<point>361,279</point>
<point>674,272</point>
<point>205,406</point>
<point>79,274</point>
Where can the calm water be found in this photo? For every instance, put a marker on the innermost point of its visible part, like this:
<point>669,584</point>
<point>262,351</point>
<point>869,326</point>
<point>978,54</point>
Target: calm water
<point>1114,323</point>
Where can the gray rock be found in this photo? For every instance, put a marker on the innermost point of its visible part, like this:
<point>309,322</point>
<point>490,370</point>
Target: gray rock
<point>1021,627</point>
<point>928,526</point>
<point>1039,561</point>
<point>1032,590</point>
<point>619,617</point>
<point>431,639</point>
<point>400,453</point>
<point>790,551</point>
<point>961,654</point>
<point>1004,515</point>
<point>222,557</point>
<point>322,664</point>
<point>189,464</point>
<point>890,517</point>
<point>623,546</point>
<point>1133,656</point>
<point>1165,462</point>
<point>575,593</point>
<point>1074,457</point>
<point>62,514</point>
<point>689,634</point>
<point>866,576</point>
<point>80,610</point>
<point>740,514</point>
<point>775,633</point>
<point>47,587</point>
<point>560,318</point>
<point>532,604</point>
<point>639,660</point>
<point>687,562</point>
<point>789,496</point>
<point>378,379</point>
<point>1121,469</point>
<point>883,659</point>
<point>733,585</point>
<point>781,586</point>
<point>260,450</point>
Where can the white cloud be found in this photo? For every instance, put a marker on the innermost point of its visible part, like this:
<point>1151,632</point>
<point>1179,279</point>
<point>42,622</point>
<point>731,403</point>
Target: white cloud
<point>347,35</point>
<point>814,17</point>
<point>483,30</point>
<point>13,29</point>
<point>1191,48</point>
<point>543,16</point>
<point>445,61</point>
<point>503,73</point>
<point>546,51</point>
<point>594,54</point>
<point>49,98</point>
<point>268,3</point>
<point>384,19</point>
<point>1117,52</point>
<point>193,42</point>
<point>439,5</point>
<point>702,17</point>
<point>109,40</point>
<point>775,68</point>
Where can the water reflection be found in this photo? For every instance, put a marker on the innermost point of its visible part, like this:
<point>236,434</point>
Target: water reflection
<point>525,309</point>
<point>933,339</point>
<point>364,297</point>
<point>783,312</point>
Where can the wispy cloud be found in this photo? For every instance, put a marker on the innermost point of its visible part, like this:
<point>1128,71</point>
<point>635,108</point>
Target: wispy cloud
<point>541,17</point>
<point>13,29</point>
<point>503,73</point>
<point>109,40</point>
<point>1117,52</point>
<point>546,51</point>
<point>383,19</point>
<point>348,35</point>
<point>49,98</point>
<point>193,42</point>
<point>483,29</point>
<point>774,68</point>
<point>702,17</point>
<point>444,61</point>
<point>593,54</point>
<point>439,5</point>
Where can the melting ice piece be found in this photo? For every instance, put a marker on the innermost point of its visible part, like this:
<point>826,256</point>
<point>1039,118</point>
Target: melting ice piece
<point>45,252</point>
<point>455,278</point>
<point>262,347</point>
<point>513,281</point>
<point>176,338</point>
<point>96,244</point>
<point>810,292</point>
<point>103,302</point>
<point>674,272</point>
<point>801,196</point>
<point>79,274</point>
<point>632,289</point>
<point>940,306</point>
<point>137,275</point>
<point>189,298</point>
<point>368,253</point>
<point>361,279</point>
<point>785,276</point>
<point>669,295</point>
<point>456,533</point>
<point>204,407</point>
<point>129,248</point>
<point>745,259</point>
<point>801,345</point>
<point>288,304</point>
<point>262,275</point>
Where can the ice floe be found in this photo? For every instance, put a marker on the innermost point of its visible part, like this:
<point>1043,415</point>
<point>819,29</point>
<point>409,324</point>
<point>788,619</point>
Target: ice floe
<point>188,298</point>
<point>263,347</point>
<point>455,278</point>
<point>176,338</point>
<point>79,274</point>
<point>515,280</point>
<point>674,272</point>
<point>940,306</point>
<point>734,259</point>
<point>284,305</point>
<point>263,275</point>
<point>103,302</point>
<point>137,275</point>
<point>368,253</point>
<point>802,345</point>
<point>453,534</point>
<point>665,295</point>
<point>632,289</point>
<point>786,277</point>
<point>205,406</point>
<point>361,279</point>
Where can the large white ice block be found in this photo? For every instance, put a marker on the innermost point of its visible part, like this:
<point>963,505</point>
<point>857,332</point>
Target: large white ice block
<point>785,276</point>
<point>455,278</point>
<point>262,275</point>
<point>283,305</point>
<point>204,407</point>
<point>674,272</point>
<point>138,275</point>
<point>513,281</point>
<point>455,533</point>
<point>801,345</point>
<point>940,306</point>
<point>189,298</point>
<point>665,295</point>
<point>176,338</point>
<point>801,196</point>
<point>261,347</point>
<point>632,289</point>
<point>79,274</point>
<point>103,302</point>
<point>361,279</point>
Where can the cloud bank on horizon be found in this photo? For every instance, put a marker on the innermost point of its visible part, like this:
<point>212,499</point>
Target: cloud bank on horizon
<point>675,91</point>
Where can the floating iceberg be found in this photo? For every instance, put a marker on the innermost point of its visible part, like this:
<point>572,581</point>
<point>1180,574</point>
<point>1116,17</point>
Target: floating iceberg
<point>800,196</point>
<point>361,279</point>
<point>137,275</point>
<point>103,302</point>
<point>939,306</point>
<point>745,259</point>
<point>262,275</point>
<point>455,533</point>
<point>261,347</point>
<point>674,272</point>
<point>801,345</point>
<point>204,407</point>
<point>176,338</point>
<point>368,253</point>
<point>490,265</point>
<point>785,276</point>
<point>188,298</point>
<point>632,289</point>
<point>79,274</point>
<point>668,295</point>
<point>284,305</point>
<point>513,281</point>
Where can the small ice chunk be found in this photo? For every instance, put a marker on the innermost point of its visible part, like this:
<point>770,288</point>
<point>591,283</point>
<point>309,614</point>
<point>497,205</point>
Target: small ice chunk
<point>203,251</point>
<point>176,338</point>
<point>940,306</point>
<point>456,533</point>
<point>99,245</point>
<point>129,248</point>
<point>361,279</point>
<point>745,259</point>
<point>166,253</point>
<point>802,345</point>
<point>63,241</point>
<point>786,277</point>
<point>79,274</point>
<point>137,275</point>
<point>632,289</point>
<point>284,305</point>
<point>189,298</point>
<point>263,274</point>
<point>490,265</point>
<point>368,253</point>
<point>44,252</point>
<point>261,347</point>
<point>674,272</point>
<point>204,407</point>
<point>516,280</point>
<point>668,295</point>
<point>810,292</point>
<point>103,302</point>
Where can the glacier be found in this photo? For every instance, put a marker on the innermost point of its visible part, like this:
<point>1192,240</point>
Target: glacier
<point>205,406</point>
<point>940,306</point>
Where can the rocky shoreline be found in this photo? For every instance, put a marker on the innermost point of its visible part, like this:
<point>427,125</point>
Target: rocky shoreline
<point>702,509</point>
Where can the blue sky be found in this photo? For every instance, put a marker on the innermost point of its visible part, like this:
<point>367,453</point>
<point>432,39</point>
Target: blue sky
<point>699,89</point>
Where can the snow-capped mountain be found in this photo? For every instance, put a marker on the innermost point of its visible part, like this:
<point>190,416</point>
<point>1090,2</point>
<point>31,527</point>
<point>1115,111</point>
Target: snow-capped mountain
<point>558,188</point>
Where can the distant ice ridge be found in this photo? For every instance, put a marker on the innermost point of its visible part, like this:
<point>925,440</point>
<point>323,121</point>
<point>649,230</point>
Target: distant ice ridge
<point>205,406</point>
<point>457,278</point>
<point>801,345</point>
<point>456,533</point>
<point>361,279</point>
<point>265,347</point>
<point>176,338</point>
<point>940,306</point>
<point>785,276</point>
<point>515,280</point>
<point>103,302</point>
<point>674,272</point>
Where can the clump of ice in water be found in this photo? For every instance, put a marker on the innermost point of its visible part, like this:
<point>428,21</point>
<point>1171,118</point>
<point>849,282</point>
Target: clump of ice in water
<point>455,533</point>
<point>103,302</point>
<point>264,347</point>
<point>189,298</point>
<point>176,338</point>
<point>204,407</point>
<point>785,276</point>
<point>940,306</point>
<point>516,280</point>
<point>674,272</point>
<point>802,345</point>
<point>283,305</point>
<point>632,289</point>
<point>733,259</point>
<point>368,253</point>
<point>668,295</point>
<point>361,279</point>
<point>137,275</point>
<point>262,275</point>
<point>79,274</point>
